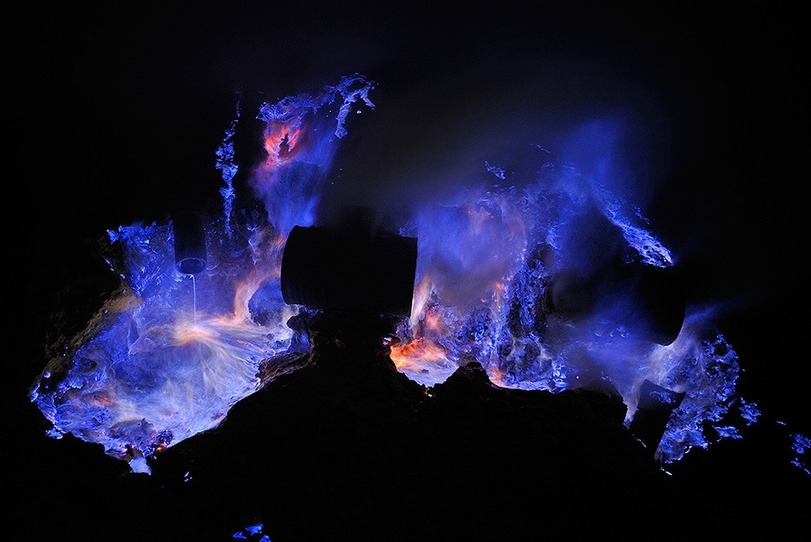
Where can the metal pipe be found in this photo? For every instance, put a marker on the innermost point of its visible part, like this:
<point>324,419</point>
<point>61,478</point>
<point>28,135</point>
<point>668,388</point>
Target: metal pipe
<point>352,267</point>
<point>189,242</point>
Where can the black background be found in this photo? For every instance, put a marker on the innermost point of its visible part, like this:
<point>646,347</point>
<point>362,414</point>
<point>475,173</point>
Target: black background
<point>117,110</point>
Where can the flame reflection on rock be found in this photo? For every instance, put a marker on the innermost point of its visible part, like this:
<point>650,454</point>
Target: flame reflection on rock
<point>168,355</point>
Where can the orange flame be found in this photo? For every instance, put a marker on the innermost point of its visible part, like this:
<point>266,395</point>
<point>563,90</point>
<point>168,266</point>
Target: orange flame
<point>415,354</point>
<point>281,143</point>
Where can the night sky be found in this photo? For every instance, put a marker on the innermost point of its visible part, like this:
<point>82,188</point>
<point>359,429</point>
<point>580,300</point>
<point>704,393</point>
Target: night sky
<point>117,112</point>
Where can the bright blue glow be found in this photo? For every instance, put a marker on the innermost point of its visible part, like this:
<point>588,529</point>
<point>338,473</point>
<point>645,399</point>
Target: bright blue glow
<point>225,163</point>
<point>301,140</point>
<point>495,170</point>
<point>165,358</point>
<point>800,445</point>
<point>708,375</point>
<point>750,412</point>
<point>252,532</point>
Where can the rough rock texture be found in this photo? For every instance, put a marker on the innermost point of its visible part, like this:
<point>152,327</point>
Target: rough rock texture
<point>347,448</point>
<point>338,445</point>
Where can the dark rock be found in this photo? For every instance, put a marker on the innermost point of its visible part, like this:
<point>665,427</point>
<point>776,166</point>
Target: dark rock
<point>348,448</point>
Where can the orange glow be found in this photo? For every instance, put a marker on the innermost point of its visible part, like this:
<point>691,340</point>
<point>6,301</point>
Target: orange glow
<point>100,398</point>
<point>431,321</point>
<point>266,247</point>
<point>499,290</point>
<point>416,353</point>
<point>188,333</point>
<point>281,142</point>
<point>246,289</point>
<point>496,375</point>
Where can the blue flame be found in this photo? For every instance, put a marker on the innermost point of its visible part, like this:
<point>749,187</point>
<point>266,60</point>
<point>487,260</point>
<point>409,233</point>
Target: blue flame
<point>227,165</point>
<point>300,144</point>
<point>252,532</point>
<point>168,354</point>
<point>800,445</point>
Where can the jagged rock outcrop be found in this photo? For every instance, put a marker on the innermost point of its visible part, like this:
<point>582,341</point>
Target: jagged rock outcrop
<point>347,448</point>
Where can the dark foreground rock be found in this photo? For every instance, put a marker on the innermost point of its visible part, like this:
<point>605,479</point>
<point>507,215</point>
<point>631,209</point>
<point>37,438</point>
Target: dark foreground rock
<point>347,448</point>
<point>338,445</point>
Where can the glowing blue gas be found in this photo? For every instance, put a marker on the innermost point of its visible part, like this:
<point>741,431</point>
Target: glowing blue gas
<point>227,165</point>
<point>800,445</point>
<point>167,355</point>
<point>300,143</point>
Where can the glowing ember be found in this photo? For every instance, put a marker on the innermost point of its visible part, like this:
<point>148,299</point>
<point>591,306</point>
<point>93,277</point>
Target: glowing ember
<point>167,356</point>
